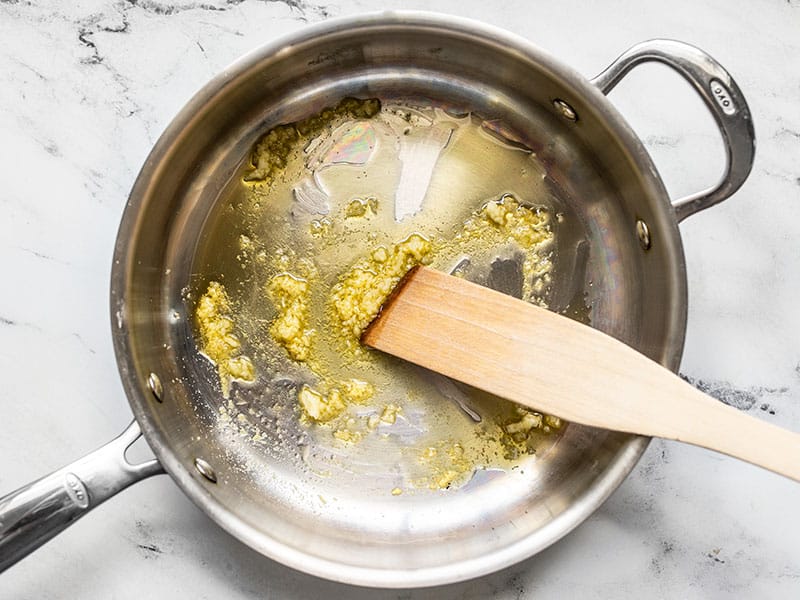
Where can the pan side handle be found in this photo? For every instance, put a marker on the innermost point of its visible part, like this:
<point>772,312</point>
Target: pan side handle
<point>719,93</point>
<point>35,513</point>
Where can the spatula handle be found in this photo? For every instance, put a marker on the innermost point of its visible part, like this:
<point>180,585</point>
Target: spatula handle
<point>714,425</point>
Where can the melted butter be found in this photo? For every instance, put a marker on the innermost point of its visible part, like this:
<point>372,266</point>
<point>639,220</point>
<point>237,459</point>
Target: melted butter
<point>319,263</point>
<point>356,298</point>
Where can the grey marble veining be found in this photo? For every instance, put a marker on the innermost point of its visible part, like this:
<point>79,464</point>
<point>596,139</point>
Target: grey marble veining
<point>86,89</point>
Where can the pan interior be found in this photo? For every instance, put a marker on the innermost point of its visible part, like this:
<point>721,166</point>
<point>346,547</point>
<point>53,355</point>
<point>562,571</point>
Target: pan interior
<point>310,500</point>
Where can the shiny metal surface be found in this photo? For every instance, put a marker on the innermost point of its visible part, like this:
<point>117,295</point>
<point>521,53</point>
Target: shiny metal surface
<point>337,525</point>
<point>205,470</point>
<point>154,383</point>
<point>565,109</point>
<point>720,94</point>
<point>643,232</point>
<point>35,513</point>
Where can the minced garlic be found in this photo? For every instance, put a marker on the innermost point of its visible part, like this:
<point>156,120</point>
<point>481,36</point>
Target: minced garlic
<point>347,435</point>
<point>506,220</point>
<point>271,152</point>
<point>527,422</point>
<point>361,208</point>
<point>220,343</point>
<point>290,328</point>
<point>525,226</point>
<point>519,432</point>
<point>361,291</point>
<point>358,294</point>
<point>389,414</point>
<point>357,390</point>
<point>448,463</point>
<point>321,407</point>
<point>326,407</point>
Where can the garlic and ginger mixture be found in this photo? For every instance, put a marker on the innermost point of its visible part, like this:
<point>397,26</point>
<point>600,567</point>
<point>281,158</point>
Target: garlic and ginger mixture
<point>220,343</point>
<point>322,195</point>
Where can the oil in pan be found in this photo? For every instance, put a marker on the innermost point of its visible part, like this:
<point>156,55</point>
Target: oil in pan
<point>322,221</point>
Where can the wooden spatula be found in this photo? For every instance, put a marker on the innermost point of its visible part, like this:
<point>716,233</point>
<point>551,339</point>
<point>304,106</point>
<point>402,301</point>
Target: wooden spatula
<point>548,362</point>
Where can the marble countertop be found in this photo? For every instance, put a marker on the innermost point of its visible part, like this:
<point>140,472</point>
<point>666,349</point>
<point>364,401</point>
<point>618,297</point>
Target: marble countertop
<point>85,90</point>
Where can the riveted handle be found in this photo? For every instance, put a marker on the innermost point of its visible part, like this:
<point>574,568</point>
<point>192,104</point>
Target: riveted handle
<point>35,513</point>
<point>722,97</point>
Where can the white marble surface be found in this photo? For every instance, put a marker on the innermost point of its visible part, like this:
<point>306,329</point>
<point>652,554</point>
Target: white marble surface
<point>85,90</point>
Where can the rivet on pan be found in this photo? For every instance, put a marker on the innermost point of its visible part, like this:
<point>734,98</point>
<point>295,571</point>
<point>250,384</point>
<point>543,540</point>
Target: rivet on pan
<point>205,470</point>
<point>565,110</point>
<point>154,383</point>
<point>643,233</point>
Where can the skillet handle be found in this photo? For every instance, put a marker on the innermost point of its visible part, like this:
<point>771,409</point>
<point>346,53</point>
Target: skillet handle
<point>722,97</point>
<point>37,512</point>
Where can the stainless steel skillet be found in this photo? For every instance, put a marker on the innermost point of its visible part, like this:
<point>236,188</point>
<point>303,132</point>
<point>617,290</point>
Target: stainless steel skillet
<point>613,200</point>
